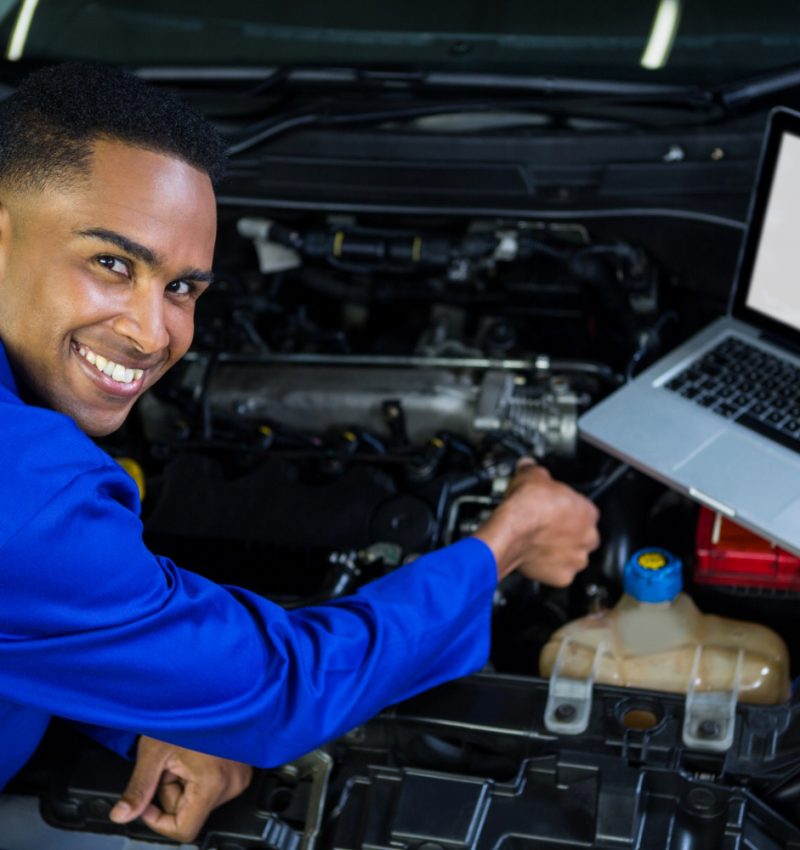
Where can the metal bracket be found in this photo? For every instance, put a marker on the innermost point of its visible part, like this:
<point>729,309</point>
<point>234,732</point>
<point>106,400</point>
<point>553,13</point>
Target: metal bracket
<point>709,719</point>
<point>569,700</point>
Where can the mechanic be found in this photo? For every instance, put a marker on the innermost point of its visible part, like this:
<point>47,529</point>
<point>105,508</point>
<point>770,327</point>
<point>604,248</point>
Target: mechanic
<point>107,229</point>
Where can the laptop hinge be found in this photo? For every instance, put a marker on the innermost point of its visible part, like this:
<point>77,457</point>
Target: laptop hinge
<point>780,341</point>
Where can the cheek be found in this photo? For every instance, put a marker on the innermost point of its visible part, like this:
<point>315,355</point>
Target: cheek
<point>180,326</point>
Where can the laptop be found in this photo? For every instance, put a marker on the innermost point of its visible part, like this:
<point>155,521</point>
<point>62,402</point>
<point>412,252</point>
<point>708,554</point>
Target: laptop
<point>719,417</point>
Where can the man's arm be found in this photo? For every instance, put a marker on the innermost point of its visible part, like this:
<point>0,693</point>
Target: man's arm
<point>98,630</point>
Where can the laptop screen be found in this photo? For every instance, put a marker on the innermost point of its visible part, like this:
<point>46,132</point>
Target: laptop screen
<point>766,293</point>
<point>774,287</point>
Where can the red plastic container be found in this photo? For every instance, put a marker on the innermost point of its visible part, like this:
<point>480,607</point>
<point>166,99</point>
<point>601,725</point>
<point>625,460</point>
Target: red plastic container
<point>730,555</point>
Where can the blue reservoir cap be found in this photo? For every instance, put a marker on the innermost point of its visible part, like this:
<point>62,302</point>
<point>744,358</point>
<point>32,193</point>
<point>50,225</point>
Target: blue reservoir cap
<point>653,575</point>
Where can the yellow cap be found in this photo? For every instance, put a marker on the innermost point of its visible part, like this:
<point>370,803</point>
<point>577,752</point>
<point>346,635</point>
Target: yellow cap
<point>652,560</point>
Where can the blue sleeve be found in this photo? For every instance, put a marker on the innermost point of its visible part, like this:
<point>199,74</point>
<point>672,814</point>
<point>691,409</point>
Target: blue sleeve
<point>121,742</point>
<point>98,630</point>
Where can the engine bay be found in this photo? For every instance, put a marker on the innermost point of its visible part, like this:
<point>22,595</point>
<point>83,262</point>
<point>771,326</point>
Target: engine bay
<point>358,393</point>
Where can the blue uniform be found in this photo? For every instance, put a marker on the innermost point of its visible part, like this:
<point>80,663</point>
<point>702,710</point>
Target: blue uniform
<point>97,629</point>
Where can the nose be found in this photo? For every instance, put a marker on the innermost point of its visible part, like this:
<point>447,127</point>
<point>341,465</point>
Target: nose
<point>142,318</point>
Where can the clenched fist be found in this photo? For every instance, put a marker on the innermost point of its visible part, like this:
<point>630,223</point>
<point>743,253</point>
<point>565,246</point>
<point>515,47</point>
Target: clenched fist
<point>186,785</point>
<point>542,528</point>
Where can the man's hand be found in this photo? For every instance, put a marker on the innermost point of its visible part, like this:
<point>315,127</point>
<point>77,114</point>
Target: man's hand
<point>542,528</point>
<point>188,785</point>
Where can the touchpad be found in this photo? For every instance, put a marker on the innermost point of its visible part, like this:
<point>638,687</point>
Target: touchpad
<point>741,472</point>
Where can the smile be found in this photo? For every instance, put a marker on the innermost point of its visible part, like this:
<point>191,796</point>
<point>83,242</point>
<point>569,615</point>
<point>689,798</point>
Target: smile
<point>116,371</point>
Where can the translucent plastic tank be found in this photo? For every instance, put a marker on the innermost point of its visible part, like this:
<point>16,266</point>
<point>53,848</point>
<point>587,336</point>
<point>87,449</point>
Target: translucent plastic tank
<point>655,637</point>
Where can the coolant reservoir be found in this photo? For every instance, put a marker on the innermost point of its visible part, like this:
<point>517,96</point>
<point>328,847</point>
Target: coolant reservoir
<point>655,637</point>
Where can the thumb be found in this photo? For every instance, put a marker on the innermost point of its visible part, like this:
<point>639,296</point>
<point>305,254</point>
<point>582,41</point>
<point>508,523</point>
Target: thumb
<point>141,788</point>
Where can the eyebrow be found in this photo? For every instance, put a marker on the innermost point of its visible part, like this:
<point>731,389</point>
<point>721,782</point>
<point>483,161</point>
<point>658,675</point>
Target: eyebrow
<point>141,252</point>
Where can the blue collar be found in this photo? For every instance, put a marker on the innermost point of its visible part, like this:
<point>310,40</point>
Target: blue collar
<point>6,375</point>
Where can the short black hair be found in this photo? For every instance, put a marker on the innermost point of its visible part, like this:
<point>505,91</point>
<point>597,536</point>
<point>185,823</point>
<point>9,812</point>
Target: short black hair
<point>49,125</point>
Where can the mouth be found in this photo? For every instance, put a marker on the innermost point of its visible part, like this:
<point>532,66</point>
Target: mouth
<point>114,378</point>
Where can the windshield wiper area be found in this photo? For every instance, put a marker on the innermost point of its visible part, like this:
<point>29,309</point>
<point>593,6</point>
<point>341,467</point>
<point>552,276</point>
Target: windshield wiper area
<point>416,95</point>
<point>489,82</point>
<point>734,96</point>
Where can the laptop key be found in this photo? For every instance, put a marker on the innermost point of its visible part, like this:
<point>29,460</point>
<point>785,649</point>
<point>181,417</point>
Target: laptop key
<point>726,410</point>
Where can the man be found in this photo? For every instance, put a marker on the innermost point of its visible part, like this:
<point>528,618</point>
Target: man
<point>107,227</point>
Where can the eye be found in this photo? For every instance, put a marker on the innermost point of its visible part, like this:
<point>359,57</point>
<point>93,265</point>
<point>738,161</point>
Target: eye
<point>114,264</point>
<point>182,287</point>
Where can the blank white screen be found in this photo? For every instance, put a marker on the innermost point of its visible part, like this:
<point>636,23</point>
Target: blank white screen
<point>775,284</point>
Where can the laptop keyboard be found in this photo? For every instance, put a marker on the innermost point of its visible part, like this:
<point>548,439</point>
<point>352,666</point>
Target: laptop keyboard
<point>747,385</point>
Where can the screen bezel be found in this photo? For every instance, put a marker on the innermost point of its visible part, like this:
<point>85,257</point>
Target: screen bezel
<point>781,121</point>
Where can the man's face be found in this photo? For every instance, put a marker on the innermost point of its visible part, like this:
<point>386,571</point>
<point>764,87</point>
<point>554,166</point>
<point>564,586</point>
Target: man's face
<point>98,283</point>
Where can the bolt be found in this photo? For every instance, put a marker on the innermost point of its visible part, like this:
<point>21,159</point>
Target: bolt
<point>701,799</point>
<point>566,711</point>
<point>709,729</point>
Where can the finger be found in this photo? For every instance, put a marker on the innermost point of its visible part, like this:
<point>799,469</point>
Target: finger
<point>191,810</point>
<point>169,795</point>
<point>140,789</point>
<point>525,462</point>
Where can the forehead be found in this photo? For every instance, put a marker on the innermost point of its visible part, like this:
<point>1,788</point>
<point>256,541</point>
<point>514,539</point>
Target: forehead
<point>151,198</point>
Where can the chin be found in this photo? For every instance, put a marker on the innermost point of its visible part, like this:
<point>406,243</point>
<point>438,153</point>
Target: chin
<point>95,423</point>
<point>100,429</point>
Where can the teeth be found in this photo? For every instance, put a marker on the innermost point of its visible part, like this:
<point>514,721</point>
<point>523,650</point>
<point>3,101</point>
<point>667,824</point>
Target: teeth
<point>116,371</point>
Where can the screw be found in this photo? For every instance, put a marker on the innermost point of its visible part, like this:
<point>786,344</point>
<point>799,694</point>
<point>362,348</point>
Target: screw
<point>709,729</point>
<point>701,799</point>
<point>566,711</point>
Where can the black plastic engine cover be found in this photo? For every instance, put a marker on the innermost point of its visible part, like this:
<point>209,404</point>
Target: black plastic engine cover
<point>470,766</point>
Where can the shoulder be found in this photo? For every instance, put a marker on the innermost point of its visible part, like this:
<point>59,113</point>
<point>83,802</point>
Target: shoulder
<point>41,453</point>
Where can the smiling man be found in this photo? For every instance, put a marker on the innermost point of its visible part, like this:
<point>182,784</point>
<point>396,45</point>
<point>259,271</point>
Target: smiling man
<point>107,227</point>
<point>100,280</point>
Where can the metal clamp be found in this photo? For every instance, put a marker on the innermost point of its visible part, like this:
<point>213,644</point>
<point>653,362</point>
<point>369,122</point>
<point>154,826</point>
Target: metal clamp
<point>709,719</point>
<point>569,700</point>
